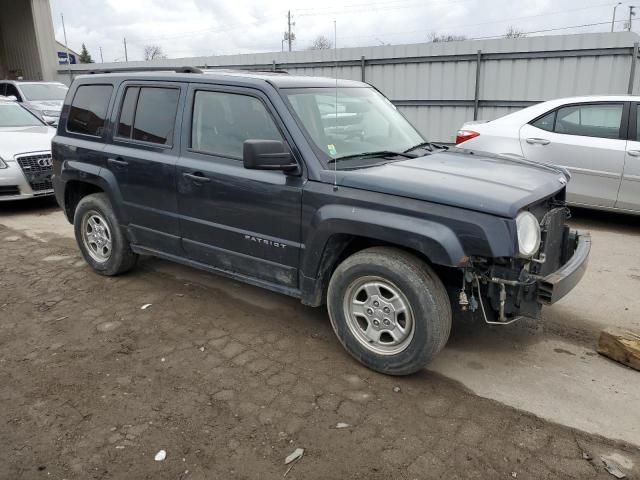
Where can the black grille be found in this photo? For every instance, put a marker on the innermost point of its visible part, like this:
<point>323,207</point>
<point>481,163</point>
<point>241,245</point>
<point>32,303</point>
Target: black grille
<point>38,169</point>
<point>554,232</point>
<point>9,190</point>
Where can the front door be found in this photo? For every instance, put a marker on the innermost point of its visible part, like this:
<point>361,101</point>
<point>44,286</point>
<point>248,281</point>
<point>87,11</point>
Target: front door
<point>142,157</point>
<point>629,196</point>
<point>242,221</point>
<point>587,139</point>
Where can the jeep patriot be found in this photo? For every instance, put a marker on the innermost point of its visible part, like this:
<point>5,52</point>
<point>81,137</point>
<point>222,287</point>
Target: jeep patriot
<point>316,188</point>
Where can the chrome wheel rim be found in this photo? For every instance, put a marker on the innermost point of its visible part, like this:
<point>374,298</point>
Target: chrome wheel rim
<point>96,236</point>
<point>379,315</point>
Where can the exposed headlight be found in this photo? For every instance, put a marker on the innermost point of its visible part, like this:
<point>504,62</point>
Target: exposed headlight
<point>2,164</point>
<point>528,234</point>
<point>51,113</point>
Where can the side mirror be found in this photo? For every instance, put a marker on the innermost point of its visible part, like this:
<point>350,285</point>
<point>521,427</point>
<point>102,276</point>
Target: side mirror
<point>13,98</point>
<point>267,155</point>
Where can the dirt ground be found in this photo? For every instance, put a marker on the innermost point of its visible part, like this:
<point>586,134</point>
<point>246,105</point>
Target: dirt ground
<point>93,386</point>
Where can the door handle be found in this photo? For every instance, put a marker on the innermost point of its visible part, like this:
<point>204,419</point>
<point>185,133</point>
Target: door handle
<point>117,162</point>
<point>196,177</point>
<point>538,141</point>
<point>633,153</point>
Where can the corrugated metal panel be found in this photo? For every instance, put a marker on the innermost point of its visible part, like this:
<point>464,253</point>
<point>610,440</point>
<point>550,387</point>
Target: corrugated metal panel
<point>19,39</point>
<point>527,69</point>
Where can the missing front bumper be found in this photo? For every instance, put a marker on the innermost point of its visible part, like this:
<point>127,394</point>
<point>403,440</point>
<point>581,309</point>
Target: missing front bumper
<point>556,285</point>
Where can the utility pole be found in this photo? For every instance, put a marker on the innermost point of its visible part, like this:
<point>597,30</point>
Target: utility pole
<point>631,14</point>
<point>66,46</point>
<point>126,59</point>
<point>613,20</point>
<point>101,59</point>
<point>289,35</point>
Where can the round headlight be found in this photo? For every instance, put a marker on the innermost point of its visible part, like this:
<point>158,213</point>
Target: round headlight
<point>528,234</point>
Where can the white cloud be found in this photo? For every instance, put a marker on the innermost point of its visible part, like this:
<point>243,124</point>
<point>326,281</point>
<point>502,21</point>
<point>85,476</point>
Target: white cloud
<point>208,27</point>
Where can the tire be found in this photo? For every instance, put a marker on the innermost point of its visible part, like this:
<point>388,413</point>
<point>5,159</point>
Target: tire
<point>407,291</point>
<point>100,238</point>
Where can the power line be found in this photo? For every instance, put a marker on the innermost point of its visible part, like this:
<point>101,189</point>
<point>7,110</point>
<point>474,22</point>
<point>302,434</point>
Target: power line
<point>456,27</point>
<point>551,29</point>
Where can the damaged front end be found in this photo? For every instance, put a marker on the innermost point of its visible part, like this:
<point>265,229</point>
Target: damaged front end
<point>504,290</point>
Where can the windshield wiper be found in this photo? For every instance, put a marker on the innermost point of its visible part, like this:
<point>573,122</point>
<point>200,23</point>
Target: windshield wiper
<point>380,154</point>
<point>427,146</point>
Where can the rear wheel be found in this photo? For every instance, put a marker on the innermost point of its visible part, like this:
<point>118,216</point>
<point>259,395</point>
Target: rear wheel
<point>102,243</point>
<point>389,310</point>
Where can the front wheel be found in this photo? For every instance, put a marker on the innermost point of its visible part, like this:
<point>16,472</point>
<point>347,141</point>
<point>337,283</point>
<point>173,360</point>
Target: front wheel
<point>389,309</point>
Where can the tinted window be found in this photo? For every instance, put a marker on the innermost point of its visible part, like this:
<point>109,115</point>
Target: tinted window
<point>602,120</point>
<point>155,115</point>
<point>637,123</point>
<point>127,111</point>
<point>223,121</point>
<point>12,91</point>
<point>546,122</point>
<point>88,109</point>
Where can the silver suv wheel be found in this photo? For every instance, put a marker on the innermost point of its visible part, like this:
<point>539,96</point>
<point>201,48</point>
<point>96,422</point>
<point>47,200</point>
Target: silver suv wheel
<point>96,236</point>
<point>379,315</point>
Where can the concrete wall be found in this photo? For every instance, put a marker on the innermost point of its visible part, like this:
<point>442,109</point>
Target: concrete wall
<point>27,40</point>
<point>438,86</point>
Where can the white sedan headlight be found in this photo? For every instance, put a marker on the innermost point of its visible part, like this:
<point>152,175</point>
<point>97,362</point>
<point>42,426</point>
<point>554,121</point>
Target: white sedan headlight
<point>528,234</point>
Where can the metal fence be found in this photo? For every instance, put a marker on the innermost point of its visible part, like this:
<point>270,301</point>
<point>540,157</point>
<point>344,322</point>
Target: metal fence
<point>438,86</point>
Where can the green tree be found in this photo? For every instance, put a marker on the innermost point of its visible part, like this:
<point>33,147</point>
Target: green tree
<point>85,56</point>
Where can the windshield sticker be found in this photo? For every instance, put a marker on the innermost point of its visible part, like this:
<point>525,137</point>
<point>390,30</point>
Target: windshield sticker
<point>332,150</point>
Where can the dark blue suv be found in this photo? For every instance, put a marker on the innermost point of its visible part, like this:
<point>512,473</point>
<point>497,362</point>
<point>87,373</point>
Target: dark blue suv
<point>314,188</point>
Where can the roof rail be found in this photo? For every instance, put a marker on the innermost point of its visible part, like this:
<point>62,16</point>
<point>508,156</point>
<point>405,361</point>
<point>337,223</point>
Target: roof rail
<point>147,69</point>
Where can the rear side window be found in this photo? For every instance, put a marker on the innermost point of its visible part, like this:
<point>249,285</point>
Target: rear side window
<point>546,122</point>
<point>89,109</point>
<point>597,120</point>
<point>148,114</point>
<point>223,121</point>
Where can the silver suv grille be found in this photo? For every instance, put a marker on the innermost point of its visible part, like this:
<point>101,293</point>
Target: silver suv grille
<point>37,167</point>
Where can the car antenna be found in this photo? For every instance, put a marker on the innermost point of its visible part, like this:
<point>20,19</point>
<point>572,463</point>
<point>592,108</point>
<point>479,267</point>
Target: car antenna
<point>335,58</point>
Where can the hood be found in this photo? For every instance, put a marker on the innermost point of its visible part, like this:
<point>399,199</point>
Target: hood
<point>53,105</point>
<point>486,183</point>
<point>16,140</point>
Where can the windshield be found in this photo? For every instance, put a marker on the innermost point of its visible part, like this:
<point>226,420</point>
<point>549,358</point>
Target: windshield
<point>349,122</point>
<point>13,115</point>
<point>43,91</point>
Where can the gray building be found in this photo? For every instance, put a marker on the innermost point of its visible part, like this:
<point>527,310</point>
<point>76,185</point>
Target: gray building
<point>27,42</point>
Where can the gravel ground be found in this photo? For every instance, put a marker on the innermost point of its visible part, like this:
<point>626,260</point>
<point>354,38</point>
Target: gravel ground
<point>93,386</point>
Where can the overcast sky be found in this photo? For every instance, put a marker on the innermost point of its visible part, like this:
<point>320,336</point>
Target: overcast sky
<point>186,28</point>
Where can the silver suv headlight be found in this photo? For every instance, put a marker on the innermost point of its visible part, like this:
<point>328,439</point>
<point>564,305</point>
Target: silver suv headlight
<point>528,234</point>
<point>2,164</point>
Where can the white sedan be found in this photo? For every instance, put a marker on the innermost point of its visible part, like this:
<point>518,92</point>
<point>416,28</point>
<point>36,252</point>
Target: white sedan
<point>25,153</point>
<point>596,138</point>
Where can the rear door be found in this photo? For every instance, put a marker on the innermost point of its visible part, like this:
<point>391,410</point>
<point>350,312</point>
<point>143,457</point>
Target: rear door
<point>629,196</point>
<point>142,158</point>
<point>589,139</point>
<point>234,219</point>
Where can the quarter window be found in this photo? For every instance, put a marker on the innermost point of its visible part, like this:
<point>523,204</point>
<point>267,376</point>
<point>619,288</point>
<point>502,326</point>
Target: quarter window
<point>148,114</point>
<point>599,120</point>
<point>546,122</point>
<point>223,121</point>
<point>88,109</point>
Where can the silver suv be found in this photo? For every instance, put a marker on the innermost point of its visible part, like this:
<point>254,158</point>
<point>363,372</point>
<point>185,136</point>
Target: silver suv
<point>42,98</point>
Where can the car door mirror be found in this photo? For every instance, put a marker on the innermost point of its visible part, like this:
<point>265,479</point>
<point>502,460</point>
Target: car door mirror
<point>13,98</point>
<point>267,155</point>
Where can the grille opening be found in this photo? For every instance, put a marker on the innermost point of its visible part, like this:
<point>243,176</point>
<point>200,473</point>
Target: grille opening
<point>38,169</point>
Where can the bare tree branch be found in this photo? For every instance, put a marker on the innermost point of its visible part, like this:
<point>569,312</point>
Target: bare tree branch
<point>152,52</point>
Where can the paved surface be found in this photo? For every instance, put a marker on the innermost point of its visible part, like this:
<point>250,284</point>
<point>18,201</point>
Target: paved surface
<point>231,379</point>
